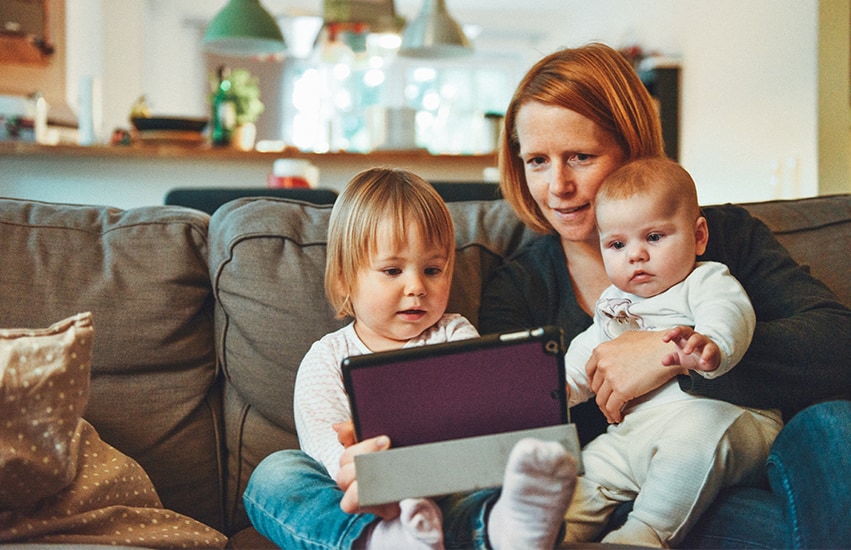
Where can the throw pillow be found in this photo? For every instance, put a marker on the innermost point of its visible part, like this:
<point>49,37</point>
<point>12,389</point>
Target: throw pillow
<point>44,387</point>
<point>60,483</point>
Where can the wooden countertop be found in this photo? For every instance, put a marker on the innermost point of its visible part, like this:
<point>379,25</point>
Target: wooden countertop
<point>206,152</point>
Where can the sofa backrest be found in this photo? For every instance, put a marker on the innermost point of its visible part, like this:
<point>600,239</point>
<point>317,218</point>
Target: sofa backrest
<point>267,264</point>
<point>817,233</point>
<point>143,275</point>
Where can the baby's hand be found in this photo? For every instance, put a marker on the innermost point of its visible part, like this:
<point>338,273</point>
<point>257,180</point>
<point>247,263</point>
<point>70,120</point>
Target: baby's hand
<point>694,350</point>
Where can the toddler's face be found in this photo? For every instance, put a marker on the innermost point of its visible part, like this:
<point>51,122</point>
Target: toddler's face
<point>648,246</point>
<point>402,292</point>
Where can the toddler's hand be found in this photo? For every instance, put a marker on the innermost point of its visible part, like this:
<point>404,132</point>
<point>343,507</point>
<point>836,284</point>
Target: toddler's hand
<point>345,433</point>
<point>347,478</point>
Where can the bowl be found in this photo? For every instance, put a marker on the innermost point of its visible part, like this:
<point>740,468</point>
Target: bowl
<point>169,123</point>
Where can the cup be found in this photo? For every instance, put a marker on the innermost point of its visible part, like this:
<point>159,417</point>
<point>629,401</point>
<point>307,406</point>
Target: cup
<point>289,173</point>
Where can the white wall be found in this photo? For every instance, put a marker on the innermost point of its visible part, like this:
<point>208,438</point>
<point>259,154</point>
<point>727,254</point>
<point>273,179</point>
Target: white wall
<point>749,83</point>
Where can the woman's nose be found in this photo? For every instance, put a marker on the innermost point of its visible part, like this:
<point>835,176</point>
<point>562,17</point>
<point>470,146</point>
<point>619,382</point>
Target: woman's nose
<point>562,180</point>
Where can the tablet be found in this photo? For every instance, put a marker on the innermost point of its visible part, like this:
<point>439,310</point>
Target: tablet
<point>467,388</point>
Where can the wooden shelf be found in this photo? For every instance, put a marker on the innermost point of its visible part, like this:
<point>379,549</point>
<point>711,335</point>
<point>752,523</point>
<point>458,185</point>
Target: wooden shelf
<point>206,152</point>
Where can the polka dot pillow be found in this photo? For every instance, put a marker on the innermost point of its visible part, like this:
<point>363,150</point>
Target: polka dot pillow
<point>60,483</point>
<point>44,387</point>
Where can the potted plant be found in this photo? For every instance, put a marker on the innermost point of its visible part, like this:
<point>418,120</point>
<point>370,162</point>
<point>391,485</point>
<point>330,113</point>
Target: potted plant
<point>243,90</point>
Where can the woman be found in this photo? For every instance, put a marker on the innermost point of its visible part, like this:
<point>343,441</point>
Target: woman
<point>578,115</point>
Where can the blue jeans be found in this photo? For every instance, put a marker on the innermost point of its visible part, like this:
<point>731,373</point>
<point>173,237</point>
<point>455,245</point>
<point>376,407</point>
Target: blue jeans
<point>810,490</point>
<point>808,472</point>
<point>292,501</point>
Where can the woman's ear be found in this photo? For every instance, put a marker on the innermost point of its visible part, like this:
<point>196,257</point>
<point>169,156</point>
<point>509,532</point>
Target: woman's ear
<point>701,235</point>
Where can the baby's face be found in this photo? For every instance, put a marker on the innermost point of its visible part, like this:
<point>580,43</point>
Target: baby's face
<point>403,291</point>
<point>648,245</point>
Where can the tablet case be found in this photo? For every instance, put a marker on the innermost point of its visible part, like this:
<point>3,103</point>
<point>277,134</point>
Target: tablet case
<point>467,388</point>
<point>454,411</point>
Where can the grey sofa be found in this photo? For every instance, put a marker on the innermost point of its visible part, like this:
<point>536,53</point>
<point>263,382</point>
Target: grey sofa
<point>201,322</point>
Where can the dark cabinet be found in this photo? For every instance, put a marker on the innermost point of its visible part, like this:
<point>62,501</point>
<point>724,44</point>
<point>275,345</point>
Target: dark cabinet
<point>663,82</point>
<point>24,31</point>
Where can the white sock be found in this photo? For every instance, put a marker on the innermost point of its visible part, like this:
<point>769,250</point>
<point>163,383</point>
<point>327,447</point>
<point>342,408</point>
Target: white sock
<point>419,527</point>
<point>539,481</point>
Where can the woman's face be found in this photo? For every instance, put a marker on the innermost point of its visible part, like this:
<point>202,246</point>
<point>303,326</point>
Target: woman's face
<point>566,157</point>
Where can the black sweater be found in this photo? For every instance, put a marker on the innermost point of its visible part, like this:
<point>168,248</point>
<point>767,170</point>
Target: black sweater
<point>801,349</point>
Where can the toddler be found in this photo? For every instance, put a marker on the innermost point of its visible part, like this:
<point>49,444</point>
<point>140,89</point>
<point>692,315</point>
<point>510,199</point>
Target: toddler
<point>390,257</point>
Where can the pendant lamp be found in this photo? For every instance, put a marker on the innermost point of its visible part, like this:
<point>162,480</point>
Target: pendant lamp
<point>433,33</point>
<point>243,29</point>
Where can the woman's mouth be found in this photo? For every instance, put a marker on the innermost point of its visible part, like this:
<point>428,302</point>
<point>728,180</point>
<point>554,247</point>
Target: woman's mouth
<point>572,210</point>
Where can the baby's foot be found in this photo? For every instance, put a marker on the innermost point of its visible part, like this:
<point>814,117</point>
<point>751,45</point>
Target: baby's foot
<point>540,477</point>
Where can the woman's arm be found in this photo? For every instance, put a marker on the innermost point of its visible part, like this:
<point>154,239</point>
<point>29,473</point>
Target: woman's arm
<point>801,349</point>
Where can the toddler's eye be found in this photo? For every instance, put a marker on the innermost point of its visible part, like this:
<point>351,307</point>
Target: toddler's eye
<point>433,271</point>
<point>391,271</point>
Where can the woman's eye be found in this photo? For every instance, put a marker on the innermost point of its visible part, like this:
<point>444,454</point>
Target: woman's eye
<point>534,162</point>
<point>579,158</point>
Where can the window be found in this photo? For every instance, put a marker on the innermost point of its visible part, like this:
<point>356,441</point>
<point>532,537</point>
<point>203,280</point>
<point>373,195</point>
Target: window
<point>354,94</point>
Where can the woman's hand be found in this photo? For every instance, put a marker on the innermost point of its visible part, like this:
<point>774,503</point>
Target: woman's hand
<point>628,367</point>
<point>347,476</point>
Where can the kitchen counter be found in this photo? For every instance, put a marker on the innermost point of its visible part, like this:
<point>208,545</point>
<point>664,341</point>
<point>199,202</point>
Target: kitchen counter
<point>139,175</point>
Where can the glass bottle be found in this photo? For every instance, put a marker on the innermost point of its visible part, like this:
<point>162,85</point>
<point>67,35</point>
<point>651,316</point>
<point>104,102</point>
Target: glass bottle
<point>223,119</point>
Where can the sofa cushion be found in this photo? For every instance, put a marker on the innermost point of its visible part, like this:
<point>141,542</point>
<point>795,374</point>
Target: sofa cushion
<point>267,264</point>
<point>143,274</point>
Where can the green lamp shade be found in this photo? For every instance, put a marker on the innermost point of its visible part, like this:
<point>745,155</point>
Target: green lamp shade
<point>433,33</point>
<point>243,29</point>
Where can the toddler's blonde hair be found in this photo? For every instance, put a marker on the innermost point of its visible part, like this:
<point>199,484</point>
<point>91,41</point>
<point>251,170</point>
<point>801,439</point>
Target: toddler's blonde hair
<point>373,198</point>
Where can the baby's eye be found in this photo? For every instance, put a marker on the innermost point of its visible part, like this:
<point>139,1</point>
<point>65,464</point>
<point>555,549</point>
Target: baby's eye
<point>617,245</point>
<point>654,237</point>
